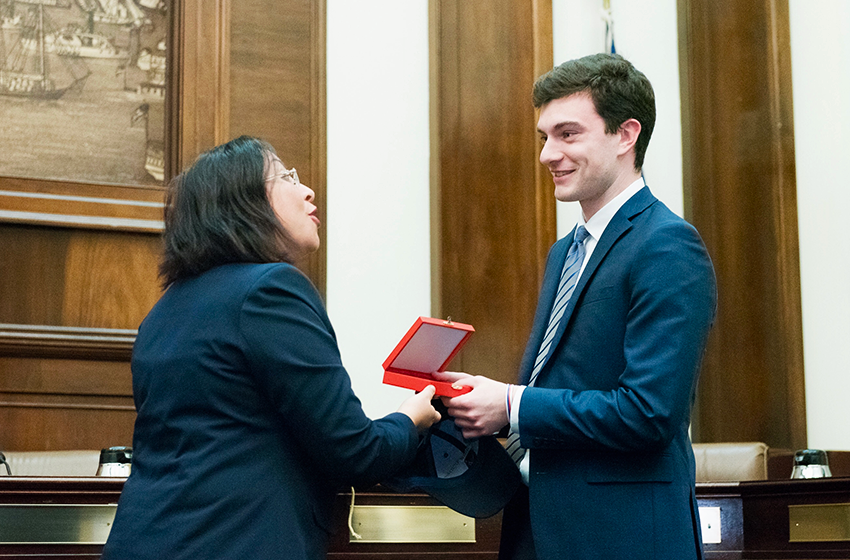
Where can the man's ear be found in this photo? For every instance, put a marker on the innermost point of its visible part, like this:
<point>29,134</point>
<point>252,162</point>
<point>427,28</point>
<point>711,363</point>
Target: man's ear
<point>629,132</point>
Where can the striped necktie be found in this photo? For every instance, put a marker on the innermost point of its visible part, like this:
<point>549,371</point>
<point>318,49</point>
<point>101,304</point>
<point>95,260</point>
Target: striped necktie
<point>566,287</point>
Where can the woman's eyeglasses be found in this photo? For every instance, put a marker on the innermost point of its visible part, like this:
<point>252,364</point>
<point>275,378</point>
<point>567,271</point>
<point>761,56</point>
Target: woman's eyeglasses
<point>289,175</point>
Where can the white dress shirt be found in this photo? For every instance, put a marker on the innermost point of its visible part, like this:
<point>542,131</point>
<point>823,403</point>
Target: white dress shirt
<point>595,228</point>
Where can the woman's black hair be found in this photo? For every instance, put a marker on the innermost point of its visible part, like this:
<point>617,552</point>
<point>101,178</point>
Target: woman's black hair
<point>218,212</point>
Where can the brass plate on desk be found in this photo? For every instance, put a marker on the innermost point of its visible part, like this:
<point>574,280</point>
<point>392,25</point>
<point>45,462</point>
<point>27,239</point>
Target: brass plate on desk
<point>56,524</point>
<point>819,523</point>
<point>411,524</point>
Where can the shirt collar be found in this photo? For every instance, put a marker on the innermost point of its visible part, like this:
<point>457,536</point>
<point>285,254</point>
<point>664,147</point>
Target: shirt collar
<point>599,221</point>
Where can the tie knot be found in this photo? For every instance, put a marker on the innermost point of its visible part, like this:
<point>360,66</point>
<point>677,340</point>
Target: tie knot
<point>581,234</point>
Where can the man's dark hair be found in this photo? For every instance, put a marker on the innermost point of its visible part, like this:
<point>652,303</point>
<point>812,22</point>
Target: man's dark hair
<point>218,211</point>
<point>619,92</point>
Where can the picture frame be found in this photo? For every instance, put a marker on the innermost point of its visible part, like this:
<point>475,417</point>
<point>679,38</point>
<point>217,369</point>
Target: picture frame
<point>82,96</point>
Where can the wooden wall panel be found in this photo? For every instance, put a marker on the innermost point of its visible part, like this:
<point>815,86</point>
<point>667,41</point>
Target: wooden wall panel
<point>74,277</point>
<point>70,301</point>
<point>493,209</point>
<point>32,274</point>
<point>56,404</point>
<point>57,423</point>
<point>738,147</point>
<point>277,90</point>
<point>270,63</point>
<point>111,281</point>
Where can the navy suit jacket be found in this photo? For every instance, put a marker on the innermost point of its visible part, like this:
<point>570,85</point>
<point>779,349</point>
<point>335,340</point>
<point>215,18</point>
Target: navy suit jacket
<point>247,424</point>
<point>611,468</point>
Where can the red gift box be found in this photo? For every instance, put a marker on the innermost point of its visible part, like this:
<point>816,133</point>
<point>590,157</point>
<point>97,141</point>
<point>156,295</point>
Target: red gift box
<point>428,347</point>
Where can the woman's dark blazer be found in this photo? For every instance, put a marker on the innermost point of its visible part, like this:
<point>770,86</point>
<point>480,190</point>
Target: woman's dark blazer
<point>247,424</point>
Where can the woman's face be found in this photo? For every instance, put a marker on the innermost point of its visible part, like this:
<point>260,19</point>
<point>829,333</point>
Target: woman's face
<point>292,202</point>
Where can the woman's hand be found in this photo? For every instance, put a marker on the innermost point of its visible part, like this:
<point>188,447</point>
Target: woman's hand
<point>419,409</point>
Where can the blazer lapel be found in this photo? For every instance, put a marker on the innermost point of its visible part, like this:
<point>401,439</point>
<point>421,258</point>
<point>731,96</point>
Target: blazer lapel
<point>619,225</point>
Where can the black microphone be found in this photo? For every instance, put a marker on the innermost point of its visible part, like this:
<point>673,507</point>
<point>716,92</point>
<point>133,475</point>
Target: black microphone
<point>3,462</point>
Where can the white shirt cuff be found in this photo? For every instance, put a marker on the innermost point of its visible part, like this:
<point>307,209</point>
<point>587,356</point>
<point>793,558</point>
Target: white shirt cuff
<point>517,397</point>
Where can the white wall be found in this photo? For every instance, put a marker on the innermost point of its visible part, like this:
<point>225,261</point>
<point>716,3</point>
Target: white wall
<point>820,58</point>
<point>378,276</point>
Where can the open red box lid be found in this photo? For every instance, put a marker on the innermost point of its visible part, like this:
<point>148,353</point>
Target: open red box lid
<point>428,347</point>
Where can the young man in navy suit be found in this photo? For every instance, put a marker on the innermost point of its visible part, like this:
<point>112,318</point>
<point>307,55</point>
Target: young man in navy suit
<point>599,421</point>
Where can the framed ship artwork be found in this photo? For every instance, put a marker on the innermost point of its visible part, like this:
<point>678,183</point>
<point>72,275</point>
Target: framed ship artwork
<point>82,127</point>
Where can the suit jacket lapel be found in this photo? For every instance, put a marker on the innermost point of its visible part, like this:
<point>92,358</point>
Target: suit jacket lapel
<point>616,228</point>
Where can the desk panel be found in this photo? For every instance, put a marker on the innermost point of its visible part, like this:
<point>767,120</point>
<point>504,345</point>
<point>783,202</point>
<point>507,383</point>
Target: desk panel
<point>755,520</point>
<point>64,495</point>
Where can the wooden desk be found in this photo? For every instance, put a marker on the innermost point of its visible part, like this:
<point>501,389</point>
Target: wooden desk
<point>62,494</point>
<point>755,520</point>
<point>64,505</point>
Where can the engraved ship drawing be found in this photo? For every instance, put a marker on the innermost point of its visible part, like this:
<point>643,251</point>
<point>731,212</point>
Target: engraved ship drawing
<point>28,67</point>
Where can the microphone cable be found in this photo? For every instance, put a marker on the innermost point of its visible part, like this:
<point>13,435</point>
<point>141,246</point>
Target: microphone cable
<point>3,462</point>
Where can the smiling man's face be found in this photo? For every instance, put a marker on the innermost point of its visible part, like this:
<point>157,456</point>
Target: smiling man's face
<point>584,160</point>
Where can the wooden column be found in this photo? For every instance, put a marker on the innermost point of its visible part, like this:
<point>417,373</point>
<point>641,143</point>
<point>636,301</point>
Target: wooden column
<point>493,210</point>
<point>740,192</point>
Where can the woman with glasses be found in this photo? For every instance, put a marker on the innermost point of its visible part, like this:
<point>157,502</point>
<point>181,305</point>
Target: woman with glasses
<point>247,425</point>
